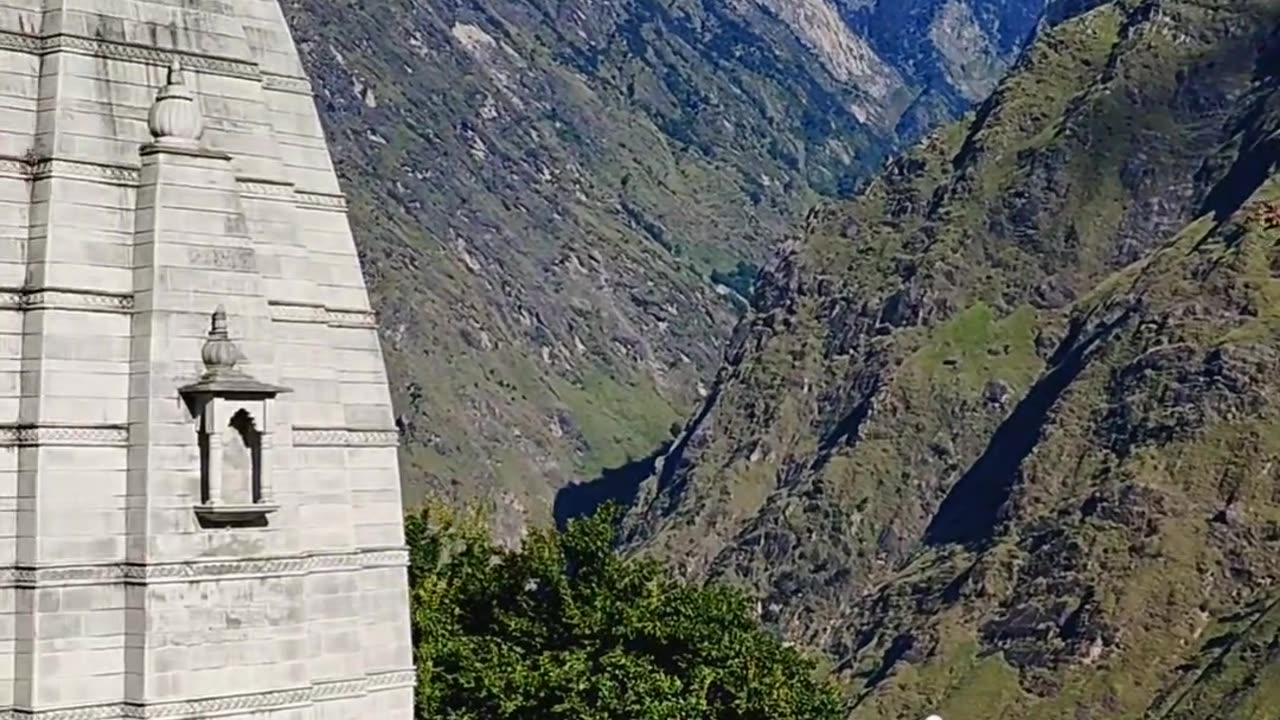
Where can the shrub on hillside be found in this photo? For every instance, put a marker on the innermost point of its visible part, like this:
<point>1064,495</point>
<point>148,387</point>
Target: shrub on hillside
<point>566,628</point>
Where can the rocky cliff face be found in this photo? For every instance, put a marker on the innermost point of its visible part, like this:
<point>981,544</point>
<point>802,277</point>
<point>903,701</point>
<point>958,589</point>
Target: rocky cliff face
<point>1001,434</point>
<point>556,200</point>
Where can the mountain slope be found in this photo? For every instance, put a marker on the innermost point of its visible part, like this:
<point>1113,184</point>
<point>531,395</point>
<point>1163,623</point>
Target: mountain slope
<point>1000,435</point>
<point>543,192</point>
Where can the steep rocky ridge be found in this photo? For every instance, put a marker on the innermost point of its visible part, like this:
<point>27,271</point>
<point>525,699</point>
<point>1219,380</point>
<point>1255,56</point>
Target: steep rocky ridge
<point>1001,434</point>
<point>543,191</point>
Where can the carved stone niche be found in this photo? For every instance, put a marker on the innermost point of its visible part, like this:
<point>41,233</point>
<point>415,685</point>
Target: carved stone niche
<point>233,418</point>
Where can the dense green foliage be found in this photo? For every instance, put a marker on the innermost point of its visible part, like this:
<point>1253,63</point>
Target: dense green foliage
<point>565,628</point>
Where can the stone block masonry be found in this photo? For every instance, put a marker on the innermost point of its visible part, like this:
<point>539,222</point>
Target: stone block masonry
<point>199,498</point>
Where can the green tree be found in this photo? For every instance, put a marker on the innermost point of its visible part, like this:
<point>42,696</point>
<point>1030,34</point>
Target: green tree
<point>566,628</point>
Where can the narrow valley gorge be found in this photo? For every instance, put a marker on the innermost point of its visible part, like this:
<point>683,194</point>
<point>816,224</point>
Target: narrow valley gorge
<point>945,329</point>
<point>560,205</point>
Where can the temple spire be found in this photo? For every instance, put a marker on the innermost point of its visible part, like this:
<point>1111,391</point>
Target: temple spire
<point>193,540</point>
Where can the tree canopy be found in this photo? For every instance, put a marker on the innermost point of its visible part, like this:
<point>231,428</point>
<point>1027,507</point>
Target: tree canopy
<point>564,627</point>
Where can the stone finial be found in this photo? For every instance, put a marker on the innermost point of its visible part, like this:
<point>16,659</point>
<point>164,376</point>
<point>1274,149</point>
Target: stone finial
<point>222,375</point>
<point>220,353</point>
<point>174,118</point>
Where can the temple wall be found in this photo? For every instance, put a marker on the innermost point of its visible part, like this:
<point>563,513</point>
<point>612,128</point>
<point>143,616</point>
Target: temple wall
<point>116,598</point>
<point>77,654</point>
<point>10,359</point>
<point>232,635</point>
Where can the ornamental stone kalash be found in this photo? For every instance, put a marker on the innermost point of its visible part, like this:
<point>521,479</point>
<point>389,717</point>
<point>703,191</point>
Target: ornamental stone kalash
<point>201,506</point>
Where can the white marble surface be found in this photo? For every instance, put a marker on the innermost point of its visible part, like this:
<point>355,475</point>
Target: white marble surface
<point>114,600</point>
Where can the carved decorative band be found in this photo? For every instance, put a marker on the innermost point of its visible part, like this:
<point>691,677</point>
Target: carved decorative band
<point>266,188</point>
<point>113,174</point>
<point>353,318</point>
<point>43,168</point>
<point>257,702</point>
<point>339,690</point>
<point>288,192</point>
<point>344,437</point>
<point>62,435</point>
<point>324,201</point>
<point>202,708</point>
<point>96,712</point>
<point>64,299</point>
<point>57,299</point>
<point>114,50</point>
<point>288,84</point>
<point>204,571</point>
<point>17,42</point>
<point>129,176</point>
<point>320,315</point>
<point>14,167</point>
<point>298,313</point>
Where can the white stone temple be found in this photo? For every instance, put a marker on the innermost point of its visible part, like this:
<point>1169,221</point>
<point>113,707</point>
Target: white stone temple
<point>199,501</point>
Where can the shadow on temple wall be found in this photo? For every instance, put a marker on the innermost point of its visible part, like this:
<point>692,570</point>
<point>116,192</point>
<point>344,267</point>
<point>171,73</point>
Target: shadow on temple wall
<point>620,484</point>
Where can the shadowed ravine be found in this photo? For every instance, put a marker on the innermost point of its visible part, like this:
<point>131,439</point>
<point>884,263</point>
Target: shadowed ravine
<point>970,511</point>
<point>620,485</point>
